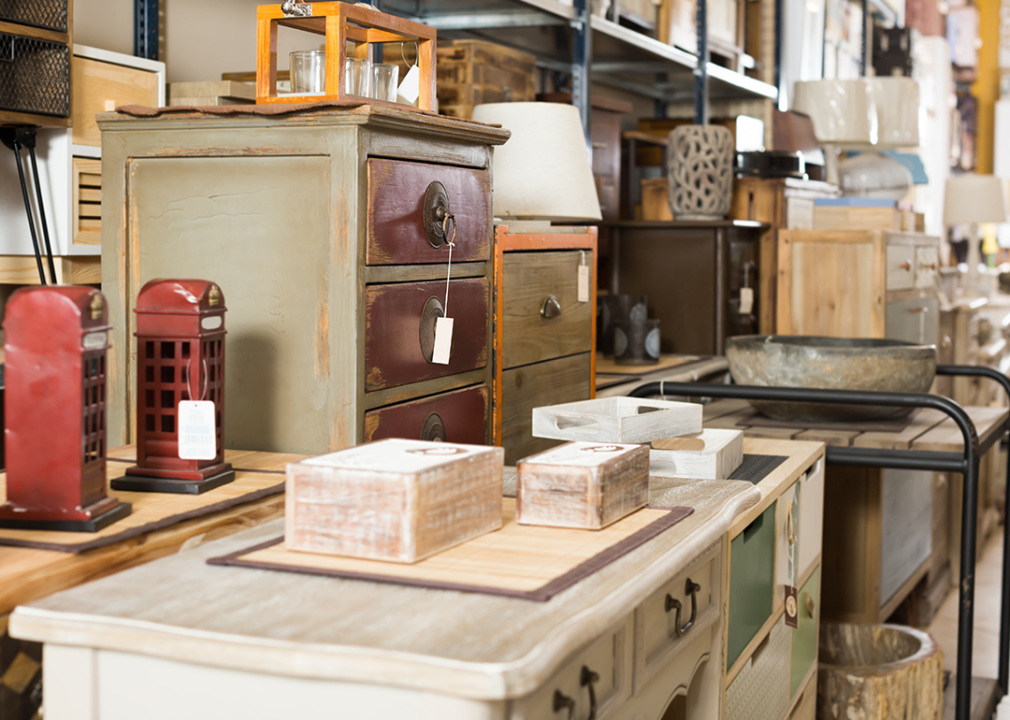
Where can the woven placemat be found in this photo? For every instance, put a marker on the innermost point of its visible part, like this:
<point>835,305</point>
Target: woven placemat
<point>151,511</point>
<point>521,561</point>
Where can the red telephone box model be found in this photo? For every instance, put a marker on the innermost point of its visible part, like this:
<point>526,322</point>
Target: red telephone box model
<point>180,356</point>
<point>56,343</point>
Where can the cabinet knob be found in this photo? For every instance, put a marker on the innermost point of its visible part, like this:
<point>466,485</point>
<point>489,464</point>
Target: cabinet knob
<point>551,308</point>
<point>437,216</point>
<point>563,702</point>
<point>907,265</point>
<point>431,312</point>
<point>809,602</point>
<point>433,429</point>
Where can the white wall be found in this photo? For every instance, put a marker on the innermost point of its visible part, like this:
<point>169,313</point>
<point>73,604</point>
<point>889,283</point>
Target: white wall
<point>106,24</point>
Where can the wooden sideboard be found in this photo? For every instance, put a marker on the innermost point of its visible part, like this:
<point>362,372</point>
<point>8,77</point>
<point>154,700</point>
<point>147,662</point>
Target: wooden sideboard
<point>260,644</point>
<point>313,224</point>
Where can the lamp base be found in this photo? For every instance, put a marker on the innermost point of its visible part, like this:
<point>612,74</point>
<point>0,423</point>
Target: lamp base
<point>95,524</point>
<point>137,483</point>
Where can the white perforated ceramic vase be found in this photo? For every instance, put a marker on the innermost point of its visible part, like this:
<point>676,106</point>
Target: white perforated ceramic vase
<point>700,163</point>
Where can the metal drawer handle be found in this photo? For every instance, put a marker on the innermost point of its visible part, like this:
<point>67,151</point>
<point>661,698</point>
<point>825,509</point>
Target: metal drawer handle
<point>551,308</point>
<point>436,215</point>
<point>563,702</point>
<point>809,602</point>
<point>431,312</point>
<point>691,588</point>
<point>918,310</point>
<point>907,265</point>
<point>586,680</point>
<point>433,429</point>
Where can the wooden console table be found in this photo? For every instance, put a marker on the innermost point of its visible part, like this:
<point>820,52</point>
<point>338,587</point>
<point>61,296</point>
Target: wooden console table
<point>261,644</point>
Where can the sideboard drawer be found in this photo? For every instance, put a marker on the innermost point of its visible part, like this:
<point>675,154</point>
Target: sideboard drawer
<point>103,86</point>
<point>751,583</point>
<point>761,690</point>
<point>927,264</point>
<point>674,615</point>
<point>900,267</point>
<point>396,202</point>
<point>459,416</point>
<point>400,317</point>
<point>532,282</point>
<point>606,662</point>
<point>804,649</point>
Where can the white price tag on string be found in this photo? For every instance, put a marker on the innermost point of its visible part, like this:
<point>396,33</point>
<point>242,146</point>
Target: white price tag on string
<point>746,300</point>
<point>197,431</point>
<point>410,88</point>
<point>583,280</point>
<point>443,341</point>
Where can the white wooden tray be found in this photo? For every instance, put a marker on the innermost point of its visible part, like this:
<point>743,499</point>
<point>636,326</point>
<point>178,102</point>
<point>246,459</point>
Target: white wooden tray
<point>712,454</point>
<point>617,420</point>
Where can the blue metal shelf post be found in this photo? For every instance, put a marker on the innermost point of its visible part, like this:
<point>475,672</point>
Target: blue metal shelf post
<point>145,29</point>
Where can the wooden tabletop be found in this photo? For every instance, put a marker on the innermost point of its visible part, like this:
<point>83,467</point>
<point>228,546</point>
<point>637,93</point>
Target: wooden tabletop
<point>929,430</point>
<point>611,385</point>
<point>28,574</point>
<point>360,631</point>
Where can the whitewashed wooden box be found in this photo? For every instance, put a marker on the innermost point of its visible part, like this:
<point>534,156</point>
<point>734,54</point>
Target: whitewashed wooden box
<point>396,500</point>
<point>617,420</point>
<point>712,454</point>
<point>582,485</point>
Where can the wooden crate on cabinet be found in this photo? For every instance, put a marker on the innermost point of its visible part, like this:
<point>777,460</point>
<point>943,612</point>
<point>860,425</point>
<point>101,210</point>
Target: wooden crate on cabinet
<point>544,355</point>
<point>333,286</point>
<point>858,284</point>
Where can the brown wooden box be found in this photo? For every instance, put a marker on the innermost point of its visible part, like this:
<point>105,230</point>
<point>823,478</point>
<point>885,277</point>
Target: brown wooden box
<point>582,485</point>
<point>396,500</point>
<point>473,72</point>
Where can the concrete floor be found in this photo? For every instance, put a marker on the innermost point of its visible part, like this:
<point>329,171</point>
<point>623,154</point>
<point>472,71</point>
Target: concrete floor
<point>987,615</point>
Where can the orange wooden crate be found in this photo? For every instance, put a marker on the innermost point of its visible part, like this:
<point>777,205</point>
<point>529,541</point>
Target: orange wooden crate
<point>339,23</point>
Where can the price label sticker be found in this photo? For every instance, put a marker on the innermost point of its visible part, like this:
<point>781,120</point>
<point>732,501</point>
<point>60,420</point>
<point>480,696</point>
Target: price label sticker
<point>410,88</point>
<point>443,341</point>
<point>197,431</point>
<point>583,283</point>
<point>792,608</point>
<point>746,300</point>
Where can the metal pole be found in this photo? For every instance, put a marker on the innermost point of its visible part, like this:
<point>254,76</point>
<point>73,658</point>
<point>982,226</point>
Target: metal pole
<point>582,53</point>
<point>28,209</point>
<point>145,29</point>
<point>701,71</point>
<point>865,40</point>
<point>42,207</point>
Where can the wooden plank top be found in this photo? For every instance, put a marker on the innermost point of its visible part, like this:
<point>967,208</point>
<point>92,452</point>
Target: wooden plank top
<point>360,631</point>
<point>929,430</point>
<point>28,574</point>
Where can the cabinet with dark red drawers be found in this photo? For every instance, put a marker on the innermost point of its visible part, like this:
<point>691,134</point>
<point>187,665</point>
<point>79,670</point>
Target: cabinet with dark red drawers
<point>328,234</point>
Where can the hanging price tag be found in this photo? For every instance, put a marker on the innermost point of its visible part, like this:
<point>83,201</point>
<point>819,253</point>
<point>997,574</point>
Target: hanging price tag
<point>410,88</point>
<point>443,341</point>
<point>583,283</point>
<point>197,431</point>
<point>792,608</point>
<point>746,300</point>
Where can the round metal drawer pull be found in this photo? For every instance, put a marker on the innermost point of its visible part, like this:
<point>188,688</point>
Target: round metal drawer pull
<point>436,214</point>
<point>433,429</point>
<point>551,308</point>
<point>691,588</point>
<point>563,702</point>
<point>587,679</point>
<point>809,602</point>
<point>431,312</point>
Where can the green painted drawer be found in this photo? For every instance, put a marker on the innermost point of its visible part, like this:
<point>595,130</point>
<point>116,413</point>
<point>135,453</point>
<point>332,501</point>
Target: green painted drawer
<point>805,635</point>
<point>751,583</point>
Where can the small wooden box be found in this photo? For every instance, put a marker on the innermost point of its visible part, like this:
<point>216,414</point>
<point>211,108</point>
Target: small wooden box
<point>396,500</point>
<point>582,485</point>
<point>617,420</point>
<point>712,454</point>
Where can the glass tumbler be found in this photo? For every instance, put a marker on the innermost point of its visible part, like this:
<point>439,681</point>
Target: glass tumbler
<point>385,79</point>
<point>308,71</point>
<point>358,77</point>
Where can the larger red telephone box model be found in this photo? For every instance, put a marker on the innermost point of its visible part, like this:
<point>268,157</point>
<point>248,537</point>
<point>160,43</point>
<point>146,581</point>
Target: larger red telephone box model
<point>56,342</point>
<point>180,357</point>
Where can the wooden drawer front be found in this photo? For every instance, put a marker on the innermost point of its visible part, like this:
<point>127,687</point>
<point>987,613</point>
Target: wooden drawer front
<point>804,640</point>
<point>914,321</point>
<point>551,383</point>
<point>761,690</point>
<point>100,87</point>
<point>528,280</point>
<point>393,314</point>
<point>609,657</point>
<point>900,267</point>
<point>658,634</point>
<point>459,417</point>
<point>927,263</point>
<point>811,516</point>
<point>396,193</point>
<point>87,201</point>
<point>751,583</point>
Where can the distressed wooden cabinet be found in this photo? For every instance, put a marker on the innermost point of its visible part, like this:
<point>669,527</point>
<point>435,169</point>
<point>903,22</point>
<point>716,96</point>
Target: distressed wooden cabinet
<point>545,336</point>
<point>314,227</point>
<point>351,645</point>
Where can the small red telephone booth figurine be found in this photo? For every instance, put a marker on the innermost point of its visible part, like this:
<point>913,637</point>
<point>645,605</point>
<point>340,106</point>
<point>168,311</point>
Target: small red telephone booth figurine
<point>180,357</point>
<point>56,342</point>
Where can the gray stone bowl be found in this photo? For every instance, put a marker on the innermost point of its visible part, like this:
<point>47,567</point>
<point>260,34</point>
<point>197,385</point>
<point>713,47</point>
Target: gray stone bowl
<point>832,364</point>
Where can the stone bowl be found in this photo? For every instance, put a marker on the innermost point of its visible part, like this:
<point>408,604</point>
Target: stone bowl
<point>801,361</point>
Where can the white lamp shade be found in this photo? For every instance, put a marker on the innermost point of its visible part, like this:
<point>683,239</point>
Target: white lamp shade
<point>842,111</point>
<point>543,171</point>
<point>974,199</point>
<point>897,103</point>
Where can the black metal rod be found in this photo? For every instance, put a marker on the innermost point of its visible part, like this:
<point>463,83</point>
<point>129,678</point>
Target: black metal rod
<point>1004,623</point>
<point>28,211</point>
<point>701,71</point>
<point>966,588</point>
<point>582,55</point>
<point>42,213</point>
<point>895,459</point>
